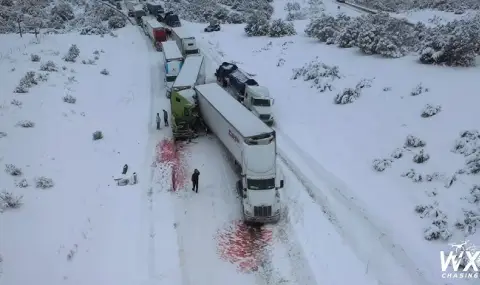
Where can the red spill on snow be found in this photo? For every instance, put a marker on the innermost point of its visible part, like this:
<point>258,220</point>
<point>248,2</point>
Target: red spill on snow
<point>244,245</point>
<point>166,153</point>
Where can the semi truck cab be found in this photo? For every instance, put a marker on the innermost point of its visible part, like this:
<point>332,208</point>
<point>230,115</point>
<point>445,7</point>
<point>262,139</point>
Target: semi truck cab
<point>257,99</point>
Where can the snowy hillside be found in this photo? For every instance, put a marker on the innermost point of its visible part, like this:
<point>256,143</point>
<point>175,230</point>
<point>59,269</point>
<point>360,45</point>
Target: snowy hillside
<point>397,138</point>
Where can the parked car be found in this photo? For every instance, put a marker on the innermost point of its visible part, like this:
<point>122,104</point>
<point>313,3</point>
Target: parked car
<point>212,28</point>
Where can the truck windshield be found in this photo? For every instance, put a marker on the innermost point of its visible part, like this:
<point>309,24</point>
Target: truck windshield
<point>261,102</point>
<point>171,78</point>
<point>261,184</point>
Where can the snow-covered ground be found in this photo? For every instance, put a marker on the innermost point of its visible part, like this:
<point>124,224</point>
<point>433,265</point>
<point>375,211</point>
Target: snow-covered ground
<point>84,229</point>
<point>344,140</point>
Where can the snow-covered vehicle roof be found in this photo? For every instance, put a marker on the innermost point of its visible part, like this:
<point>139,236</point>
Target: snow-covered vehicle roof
<point>182,33</point>
<point>155,24</point>
<point>188,94</point>
<point>138,7</point>
<point>171,50</point>
<point>260,91</point>
<point>244,121</point>
<point>189,72</point>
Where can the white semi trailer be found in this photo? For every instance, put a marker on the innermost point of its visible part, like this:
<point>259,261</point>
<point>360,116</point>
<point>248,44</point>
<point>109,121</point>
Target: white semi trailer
<point>253,146</point>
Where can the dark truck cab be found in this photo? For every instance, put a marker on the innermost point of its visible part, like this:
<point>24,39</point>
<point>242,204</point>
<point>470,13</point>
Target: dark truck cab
<point>228,75</point>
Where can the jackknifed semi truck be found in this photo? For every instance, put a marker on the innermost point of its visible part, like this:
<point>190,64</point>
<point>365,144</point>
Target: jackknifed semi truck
<point>252,144</point>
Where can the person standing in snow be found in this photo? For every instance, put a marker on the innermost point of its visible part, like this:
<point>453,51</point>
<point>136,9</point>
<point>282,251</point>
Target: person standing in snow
<point>195,175</point>
<point>158,121</point>
<point>125,169</point>
<point>165,117</point>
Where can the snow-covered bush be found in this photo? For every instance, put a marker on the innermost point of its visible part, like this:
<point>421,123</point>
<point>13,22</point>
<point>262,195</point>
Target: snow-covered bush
<point>73,53</point>
<point>257,25</point>
<point>26,124</point>
<point>421,157</point>
<point>319,73</point>
<point>347,96</point>
<point>42,77</point>
<point>94,28</point>
<point>413,175</point>
<point>397,153</point>
<point>295,11</point>
<point>69,99</point>
<point>104,72</point>
<point>473,164</point>
<point>44,182</point>
<point>413,141</point>
<point>98,135</point>
<point>49,66</point>
<point>419,89</point>
<point>13,170</point>
<point>9,201</point>
<point>89,61</point>
<point>323,28</point>
<point>64,11</point>
<point>469,224</point>
<point>27,81</point>
<point>23,183</point>
<point>400,6</point>
<point>380,165</point>
<point>468,143</point>
<point>438,230</point>
<point>279,28</point>
<point>430,110</point>
<point>16,102</point>
<point>474,197</point>
<point>7,3</point>
<point>235,18</point>
<point>35,57</point>
<point>117,22</point>
<point>3,134</point>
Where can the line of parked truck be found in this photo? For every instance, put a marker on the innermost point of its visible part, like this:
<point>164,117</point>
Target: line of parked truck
<point>235,108</point>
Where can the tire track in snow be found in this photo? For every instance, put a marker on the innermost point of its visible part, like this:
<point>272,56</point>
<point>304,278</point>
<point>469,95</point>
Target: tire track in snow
<point>332,194</point>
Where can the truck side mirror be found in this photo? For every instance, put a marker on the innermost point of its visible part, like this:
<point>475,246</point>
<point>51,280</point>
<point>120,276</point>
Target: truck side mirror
<point>281,183</point>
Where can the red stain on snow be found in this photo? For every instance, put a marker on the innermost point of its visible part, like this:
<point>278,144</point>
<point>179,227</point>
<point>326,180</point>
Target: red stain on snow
<point>244,245</point>
<point>166,153</point>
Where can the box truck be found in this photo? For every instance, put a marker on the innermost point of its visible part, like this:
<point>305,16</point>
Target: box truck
<point>156,31</point>
<point>173,60</point>
<point>247,91</point>
<point>185,41</point>
<point>252,144</point>
<point>155,8</point>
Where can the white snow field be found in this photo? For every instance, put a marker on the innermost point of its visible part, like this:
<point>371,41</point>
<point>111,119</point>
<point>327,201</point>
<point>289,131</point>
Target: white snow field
<point>384,215</point>
<point>84,229</point>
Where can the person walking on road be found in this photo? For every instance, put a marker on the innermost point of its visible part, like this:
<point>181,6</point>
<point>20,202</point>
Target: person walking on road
<point>158,121</point>
<point>165,117</point>
<point>195,175</point>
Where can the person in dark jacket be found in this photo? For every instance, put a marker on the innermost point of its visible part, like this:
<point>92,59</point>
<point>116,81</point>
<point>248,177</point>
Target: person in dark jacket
<point>158,121</point>
<point>165,117</point>
<point>125,169</point>
<point>195,175</point>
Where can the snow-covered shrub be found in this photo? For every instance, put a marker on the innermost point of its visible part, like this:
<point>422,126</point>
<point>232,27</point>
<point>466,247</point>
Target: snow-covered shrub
<point>102,12</point>
<point>319,73</point>
<point>280,28</point>
<point>295,11</point>
<point>413,141</point>
<point>473,164</point>
<point>64,11</point>
<point>397,153</point>
<point>469,223</point>
<point>280,62</point>
<point>117,22</point>
<point>44,182</point>
<point>42,77</point>
<point>23,183</point>
<point>430,211</point>
<point>9,201</point>
<point>347,38</point>
<point>13,170</point>
<point>413,175</point>
<point>27,81</point>
<point>452,44</point>
<point>16,102</point>
<point>94,28</point>
<point>73,53</point>
<point>421,157</point>
<point>69,99</point>
<point>98,135</point>
<point>380,165</point>
<point>474,197</point>
<point>468,143</point>
<point>430,110</point>
<point>104,72</point>
<point>257,25</point>
<point>49,66</point>
<point>235,18</point>
<point>26,124</point>
<point>324,28</point>
<point>419,89</point>
<point>438,230</point>
<point>35,57</point>
<point>7,3</point>
<point>3,134</point>
<point>89,61</point>
<point>347,96</point>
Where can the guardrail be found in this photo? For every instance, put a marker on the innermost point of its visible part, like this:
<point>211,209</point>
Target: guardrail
<point>373,11</point>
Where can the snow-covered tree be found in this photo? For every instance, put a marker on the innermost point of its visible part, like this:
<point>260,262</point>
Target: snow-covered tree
<point>235,18</point>
<point>280,28</point>
<point>64,11</point>
<point>257,25</point>
<point>117,22</point>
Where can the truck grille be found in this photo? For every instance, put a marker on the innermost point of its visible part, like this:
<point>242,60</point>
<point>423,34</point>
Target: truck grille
<point>264,117</point>
<point>262,211</point>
